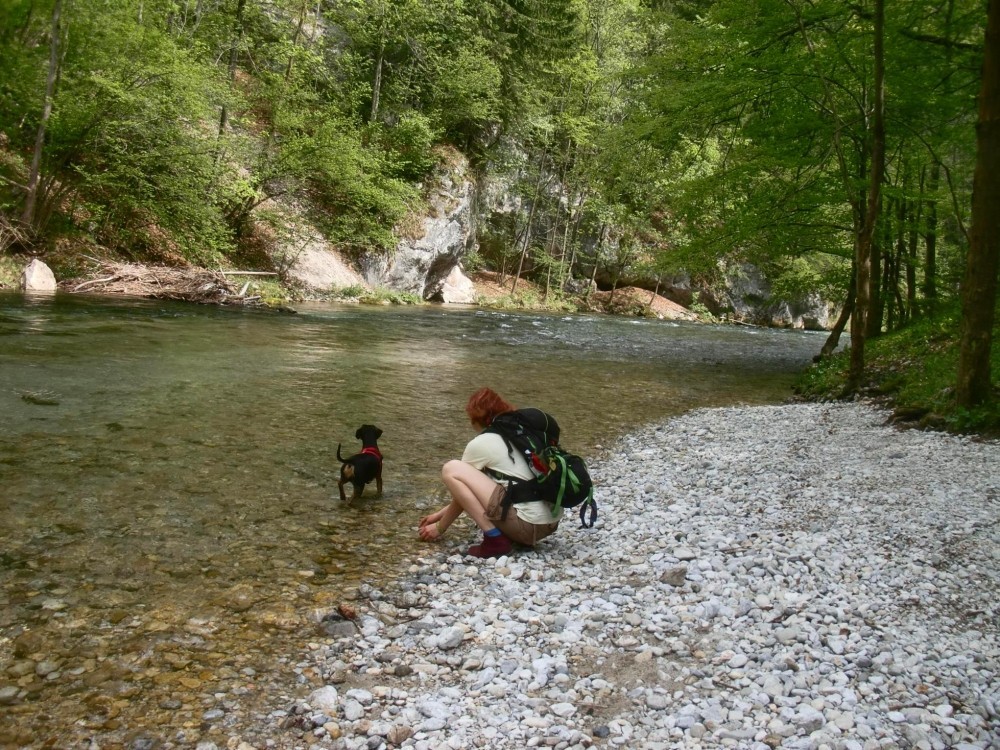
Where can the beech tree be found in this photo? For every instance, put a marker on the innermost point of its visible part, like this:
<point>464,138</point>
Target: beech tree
<point>769,117</point>
<point>31,196</point>
<point>979,288</point>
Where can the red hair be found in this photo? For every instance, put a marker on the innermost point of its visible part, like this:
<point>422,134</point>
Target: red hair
<point>485,404</point>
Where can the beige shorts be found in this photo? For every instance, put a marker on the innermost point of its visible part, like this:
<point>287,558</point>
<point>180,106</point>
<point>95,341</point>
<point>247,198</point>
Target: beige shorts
<point>513,527</point>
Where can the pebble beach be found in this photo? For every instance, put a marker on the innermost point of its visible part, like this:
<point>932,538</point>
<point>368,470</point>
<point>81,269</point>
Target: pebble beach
<point>799,576</point>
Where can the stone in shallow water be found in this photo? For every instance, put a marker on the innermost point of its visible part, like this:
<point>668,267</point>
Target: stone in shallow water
<point>37,277</point>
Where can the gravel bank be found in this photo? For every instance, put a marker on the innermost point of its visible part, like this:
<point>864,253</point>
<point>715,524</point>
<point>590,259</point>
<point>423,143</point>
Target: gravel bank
<point>798,576</point>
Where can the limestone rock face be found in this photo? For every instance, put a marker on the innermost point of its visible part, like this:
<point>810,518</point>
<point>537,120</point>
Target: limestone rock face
<point>748,295</point>
<point>421,265</point>
<point>37,277</point>
<point>306,255</point>
<point>316,267</point>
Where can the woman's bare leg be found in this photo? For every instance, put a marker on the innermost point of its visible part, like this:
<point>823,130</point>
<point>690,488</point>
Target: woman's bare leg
<point>470,490</point>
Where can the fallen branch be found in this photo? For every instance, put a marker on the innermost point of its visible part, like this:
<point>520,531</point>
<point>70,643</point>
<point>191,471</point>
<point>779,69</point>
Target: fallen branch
<point>161,282</point>
<point>92,281</point>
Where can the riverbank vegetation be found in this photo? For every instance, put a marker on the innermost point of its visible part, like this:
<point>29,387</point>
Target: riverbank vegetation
<point>913,369</point>
<point>826,143</point>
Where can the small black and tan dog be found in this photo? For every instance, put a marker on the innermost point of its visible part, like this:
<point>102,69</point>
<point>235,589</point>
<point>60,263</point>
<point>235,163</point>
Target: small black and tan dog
<point>362,467</point>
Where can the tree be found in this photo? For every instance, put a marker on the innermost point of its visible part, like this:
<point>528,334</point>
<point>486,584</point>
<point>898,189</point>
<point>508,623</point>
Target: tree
<point>979,288</point>
<point>863,248</point>
<point>50,82</point>
<point>768,118</point>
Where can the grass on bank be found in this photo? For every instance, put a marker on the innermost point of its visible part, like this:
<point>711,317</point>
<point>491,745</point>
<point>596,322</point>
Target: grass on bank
<point>10,272</point>
<point>528,300</point>
<point>915,369</point>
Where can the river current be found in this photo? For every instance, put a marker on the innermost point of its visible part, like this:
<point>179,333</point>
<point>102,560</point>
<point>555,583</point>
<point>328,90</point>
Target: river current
<point>169,518</point>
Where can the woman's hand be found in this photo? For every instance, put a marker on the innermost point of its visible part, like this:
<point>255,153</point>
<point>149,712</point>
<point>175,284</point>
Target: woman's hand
<point>430,530</point>
<point>431,518</point>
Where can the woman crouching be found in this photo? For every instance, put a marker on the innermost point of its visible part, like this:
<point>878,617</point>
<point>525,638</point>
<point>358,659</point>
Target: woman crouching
<point>475,487</point>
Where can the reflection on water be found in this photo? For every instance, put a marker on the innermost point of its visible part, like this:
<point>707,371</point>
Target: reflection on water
<point>169,509</point>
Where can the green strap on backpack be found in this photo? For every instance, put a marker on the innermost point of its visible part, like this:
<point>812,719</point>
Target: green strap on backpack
<point>561,478</point>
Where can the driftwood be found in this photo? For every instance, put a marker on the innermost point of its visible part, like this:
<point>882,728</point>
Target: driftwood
<point>12,234</point>
<point>162,282</point>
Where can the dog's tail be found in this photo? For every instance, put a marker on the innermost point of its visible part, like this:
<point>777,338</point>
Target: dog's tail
<point>339,457</point>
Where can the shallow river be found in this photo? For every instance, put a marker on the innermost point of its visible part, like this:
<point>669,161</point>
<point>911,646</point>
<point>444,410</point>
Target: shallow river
<point>169,519</point>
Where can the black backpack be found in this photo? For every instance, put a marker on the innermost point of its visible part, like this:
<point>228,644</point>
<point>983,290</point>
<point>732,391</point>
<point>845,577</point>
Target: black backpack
<point>561,478</point>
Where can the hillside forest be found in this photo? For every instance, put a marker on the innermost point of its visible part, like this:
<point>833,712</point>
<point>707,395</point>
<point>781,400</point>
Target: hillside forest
<point>833,144</point>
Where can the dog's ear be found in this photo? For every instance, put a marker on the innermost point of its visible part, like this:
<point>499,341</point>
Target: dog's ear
<point>358,433</point>
<point>378,433</point>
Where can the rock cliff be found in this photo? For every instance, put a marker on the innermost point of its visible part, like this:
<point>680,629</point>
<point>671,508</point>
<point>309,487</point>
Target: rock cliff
<point>423,262</point>
<point>428,260</point>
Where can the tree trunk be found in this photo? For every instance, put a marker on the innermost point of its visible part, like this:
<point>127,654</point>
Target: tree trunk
<point>531,218</point>
<point>911,261</point>
<point>879,249</point>
<point>234,56</point>
<point>576,231</point>
<point>597,259</point>
<point>295,40</point>
<point>979,286</point>
<point>863,244</point>
<point>930,241</point>
<point>899,258</point>
<point>31,198</point>
<point>377,83</point>
<point>553,237</point>
<point>652,297</point>
<point>830,345</point>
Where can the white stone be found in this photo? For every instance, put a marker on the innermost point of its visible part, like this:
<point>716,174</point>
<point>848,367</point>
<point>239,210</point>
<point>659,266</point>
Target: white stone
<point>324,699</point>
<point>457,288</point>
<point>37,277</point>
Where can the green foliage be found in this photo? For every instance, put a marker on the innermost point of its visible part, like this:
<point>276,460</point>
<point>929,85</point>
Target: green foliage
<point>473,261</point>
<point>270,292</point>
<point>761,111</point>
<point>914,368</point>
<point>698,308</point>
<point>10,271</point>
<point>355,291</point>
<point>796,277</point>
<point>528,299</point>
<point>382,296</point>
<point>410,143</point>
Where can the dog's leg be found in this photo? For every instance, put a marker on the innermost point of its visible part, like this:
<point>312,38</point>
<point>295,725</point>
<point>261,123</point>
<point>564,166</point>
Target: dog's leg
<point>346,475</point>
<point>378,482</point>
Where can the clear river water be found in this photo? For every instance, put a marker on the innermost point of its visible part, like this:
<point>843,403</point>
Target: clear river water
<point>169,518</point>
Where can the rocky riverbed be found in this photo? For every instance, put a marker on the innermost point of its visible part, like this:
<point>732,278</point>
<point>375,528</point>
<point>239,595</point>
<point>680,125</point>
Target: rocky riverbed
<point>800,576</point>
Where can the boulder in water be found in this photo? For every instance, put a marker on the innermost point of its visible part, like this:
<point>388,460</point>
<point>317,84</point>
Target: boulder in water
<point>37,277</point>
